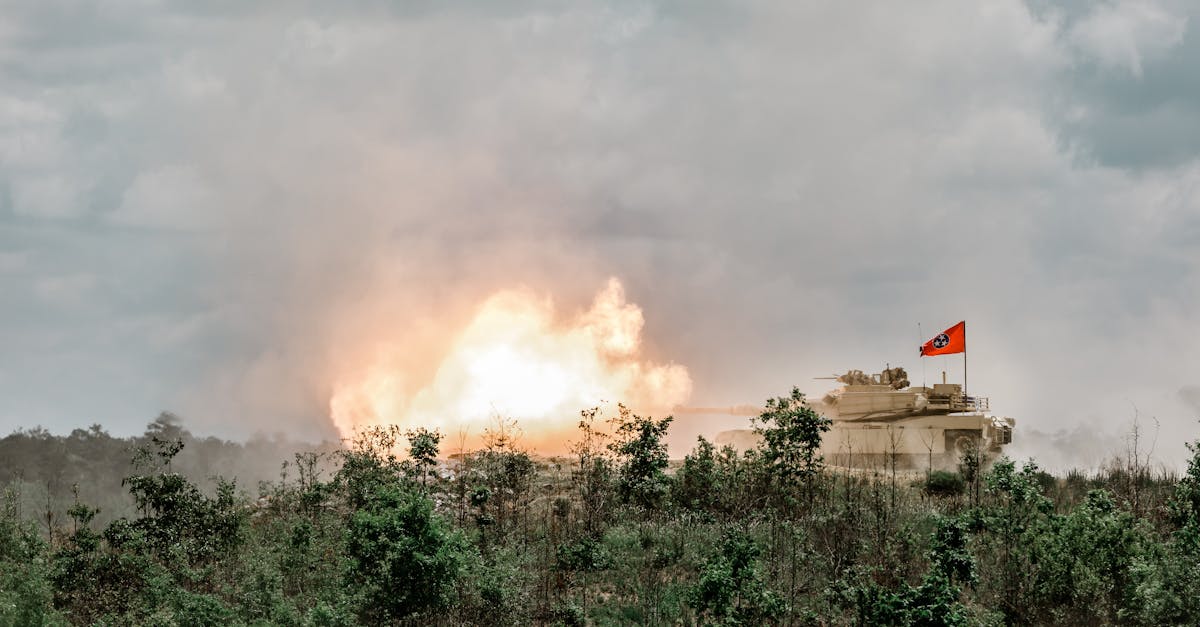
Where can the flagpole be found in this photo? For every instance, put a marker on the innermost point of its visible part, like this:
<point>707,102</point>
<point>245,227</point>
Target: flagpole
<point>964,358</point>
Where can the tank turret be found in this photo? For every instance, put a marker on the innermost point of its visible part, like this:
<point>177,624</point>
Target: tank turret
<point>887,396</point>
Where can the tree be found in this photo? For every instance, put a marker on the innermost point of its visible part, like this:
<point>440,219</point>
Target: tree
<point>935,601</point>
<point>423,449</point>
<point>1168,596</point>
<point>594,476</point>
<point>1017,512</point>
<point>369,463</point>
<point>970,463</point>
<point>1184,506</point>
<point>25,587</point>
<point>153,563</point>
<point>731,590</point>
<point>642,456</point>
<point>696,481</point>
<point>403,556</point>
<point>506,471</point>
<point>791,432</point>
<point>1086,562</point>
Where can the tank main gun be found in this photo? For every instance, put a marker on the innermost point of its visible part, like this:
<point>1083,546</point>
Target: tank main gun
<point>734,410</point>
<point>895,377</point>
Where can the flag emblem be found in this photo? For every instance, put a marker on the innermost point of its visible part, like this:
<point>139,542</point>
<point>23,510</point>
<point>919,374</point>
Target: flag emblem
<point>952,340</point>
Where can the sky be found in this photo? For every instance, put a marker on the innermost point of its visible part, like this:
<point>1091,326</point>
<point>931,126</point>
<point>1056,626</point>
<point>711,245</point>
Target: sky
<point>217,209</point>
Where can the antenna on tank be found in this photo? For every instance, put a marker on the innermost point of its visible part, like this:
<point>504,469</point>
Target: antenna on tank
<point>920,341</point>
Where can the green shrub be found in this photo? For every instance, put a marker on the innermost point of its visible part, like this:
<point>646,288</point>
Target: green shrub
<point>935,602</point>
<point>731,590</point>
<point>642,458</point>
<point>944,483</point>
<point>695,485</point>
<point>791,432</point>
<point>584,555</point>
<point>404,557</point>
<point>26,592</point>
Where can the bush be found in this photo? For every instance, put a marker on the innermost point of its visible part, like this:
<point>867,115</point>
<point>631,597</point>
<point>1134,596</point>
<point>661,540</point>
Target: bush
<point>935,601</point>
<point>642,458</point>
<point>791,432</point>
<point>731,590</point>
<point>25,589</point>
<point>695,485</point>
<point>404,557</point>
<point>584,555</point>
<point>944,483</point>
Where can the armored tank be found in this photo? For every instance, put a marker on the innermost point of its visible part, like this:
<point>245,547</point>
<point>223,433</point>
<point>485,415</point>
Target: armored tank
<point>878,418</point>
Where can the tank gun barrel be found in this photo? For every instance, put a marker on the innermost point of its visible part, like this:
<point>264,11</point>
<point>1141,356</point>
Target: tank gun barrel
<point>735,410</point>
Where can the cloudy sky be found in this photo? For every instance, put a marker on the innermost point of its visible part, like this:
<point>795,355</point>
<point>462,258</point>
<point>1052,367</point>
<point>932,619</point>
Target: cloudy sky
<point>215,210</point>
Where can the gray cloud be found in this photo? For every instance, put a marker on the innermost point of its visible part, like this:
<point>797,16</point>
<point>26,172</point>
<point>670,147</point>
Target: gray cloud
<point>1133,98</point>
<point>202,211</point>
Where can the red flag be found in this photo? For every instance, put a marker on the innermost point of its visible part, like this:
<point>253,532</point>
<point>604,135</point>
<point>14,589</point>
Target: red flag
<point>952,340</point>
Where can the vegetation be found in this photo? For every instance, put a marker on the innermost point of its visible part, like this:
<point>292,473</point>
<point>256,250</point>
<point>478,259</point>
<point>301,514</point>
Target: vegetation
<point>389,529</point>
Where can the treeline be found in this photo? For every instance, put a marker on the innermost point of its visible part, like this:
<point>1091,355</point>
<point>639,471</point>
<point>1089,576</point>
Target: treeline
<point>44,472</point>
<point>387,531</point>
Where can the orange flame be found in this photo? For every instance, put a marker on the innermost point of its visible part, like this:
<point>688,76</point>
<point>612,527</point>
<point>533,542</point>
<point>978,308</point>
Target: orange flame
<point>515,359</point>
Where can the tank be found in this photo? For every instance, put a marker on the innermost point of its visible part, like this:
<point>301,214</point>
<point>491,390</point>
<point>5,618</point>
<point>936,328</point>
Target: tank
<point>881,418</point>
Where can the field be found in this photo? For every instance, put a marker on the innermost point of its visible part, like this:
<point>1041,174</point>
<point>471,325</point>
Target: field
<point>395,528</point>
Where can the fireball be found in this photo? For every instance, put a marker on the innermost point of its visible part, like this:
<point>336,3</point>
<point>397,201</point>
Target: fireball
<point>519,359</point>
